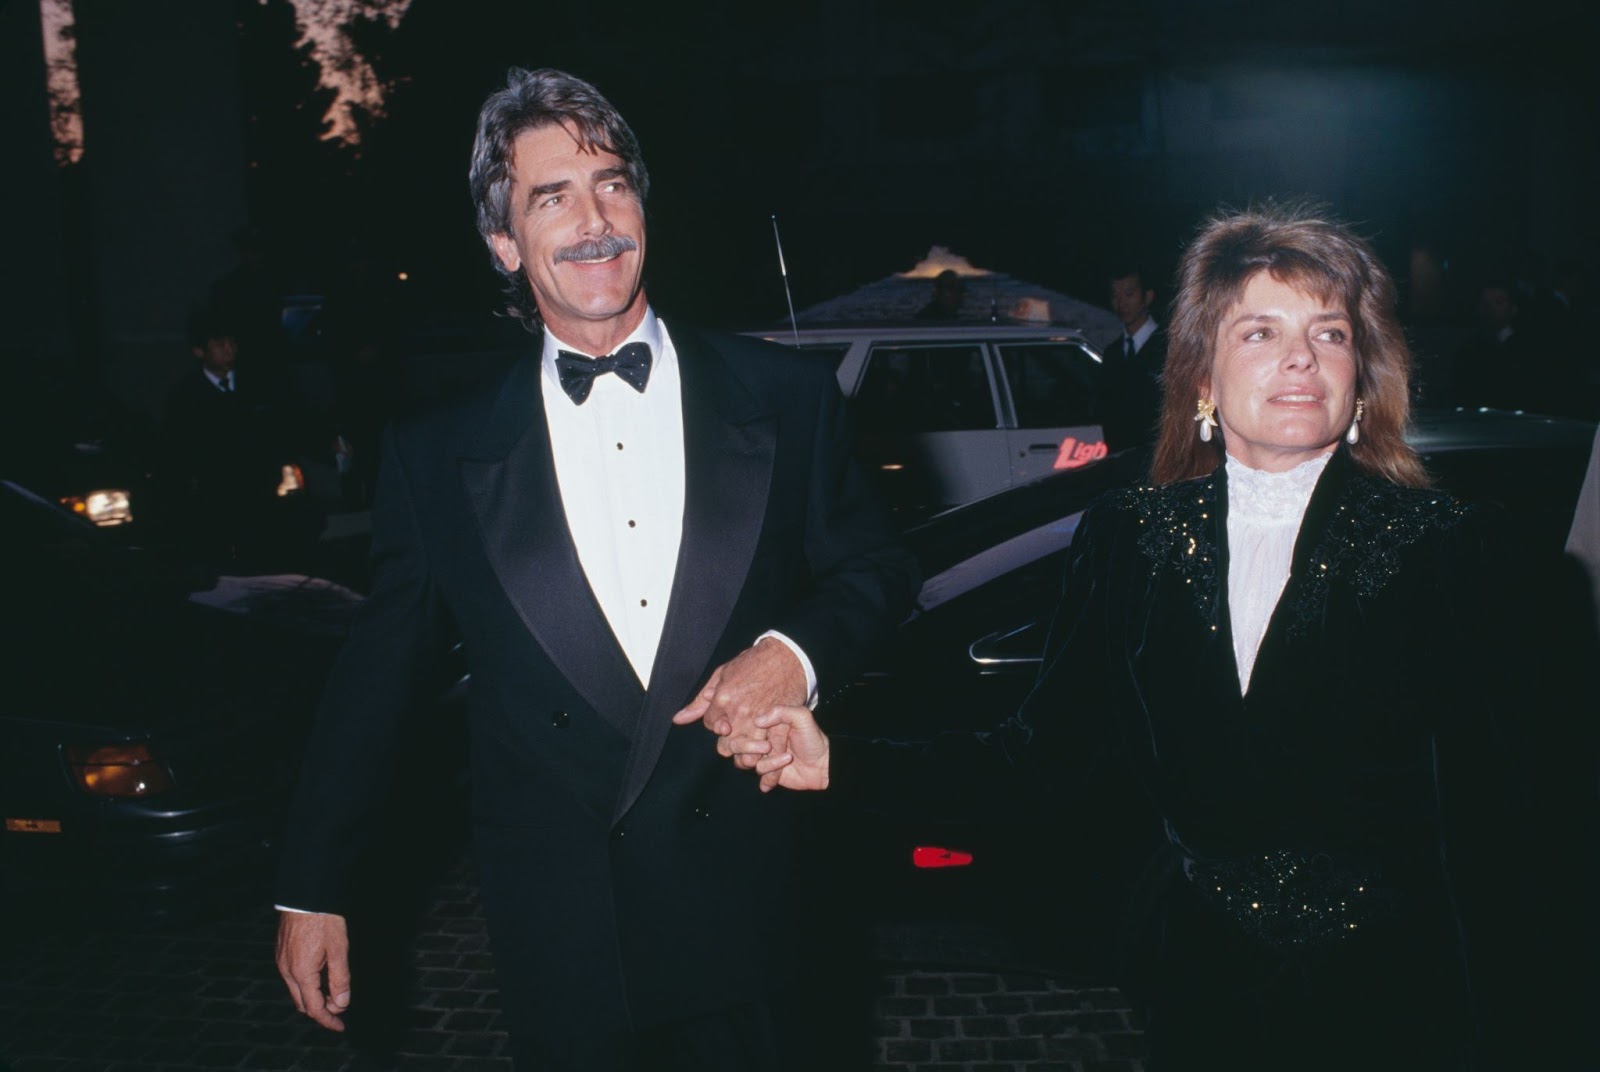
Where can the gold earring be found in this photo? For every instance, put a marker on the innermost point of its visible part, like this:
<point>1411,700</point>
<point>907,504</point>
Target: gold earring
<point>1206,414</point>
<point>1353,436</point>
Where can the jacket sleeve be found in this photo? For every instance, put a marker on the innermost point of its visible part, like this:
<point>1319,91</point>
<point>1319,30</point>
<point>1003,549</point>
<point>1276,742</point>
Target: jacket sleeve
<point>373,691</point>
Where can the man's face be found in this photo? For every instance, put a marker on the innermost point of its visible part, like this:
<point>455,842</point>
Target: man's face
<point>1130,301</point>
<point>217,355</point>
<point>577,232</point>
<point>1496,307</point>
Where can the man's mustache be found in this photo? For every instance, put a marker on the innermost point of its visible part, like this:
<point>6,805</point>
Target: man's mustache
<point>597,249</point>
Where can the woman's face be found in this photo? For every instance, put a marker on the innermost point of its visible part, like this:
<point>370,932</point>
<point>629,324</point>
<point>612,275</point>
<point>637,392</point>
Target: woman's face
<point>1283,375</point>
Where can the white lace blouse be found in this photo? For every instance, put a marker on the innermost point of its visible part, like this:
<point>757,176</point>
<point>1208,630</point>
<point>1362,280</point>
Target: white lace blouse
<point>1264,514</point>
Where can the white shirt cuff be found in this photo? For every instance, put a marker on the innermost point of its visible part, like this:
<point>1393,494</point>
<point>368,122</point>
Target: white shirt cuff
<point>805,663</point>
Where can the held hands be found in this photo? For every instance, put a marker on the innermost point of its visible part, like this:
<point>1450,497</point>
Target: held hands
<point>804,765</point>
<point>751,683</point>
<point>308,944</point>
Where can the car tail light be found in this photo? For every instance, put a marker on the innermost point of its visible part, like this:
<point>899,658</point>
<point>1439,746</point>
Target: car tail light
<point>934,856</point>
<point>118,770</point>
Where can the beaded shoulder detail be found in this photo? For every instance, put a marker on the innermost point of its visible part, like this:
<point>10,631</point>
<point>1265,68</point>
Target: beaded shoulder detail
<point>1372,522</point>
<point>1176,526</point>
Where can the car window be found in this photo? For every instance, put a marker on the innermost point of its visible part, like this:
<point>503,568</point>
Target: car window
<point>1052,384</point>
<point>908,389</point>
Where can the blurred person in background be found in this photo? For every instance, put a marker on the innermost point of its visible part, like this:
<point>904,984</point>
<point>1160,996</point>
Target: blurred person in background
<point>1130,390</point>
<point>949,291</point>
<point>227,464</point>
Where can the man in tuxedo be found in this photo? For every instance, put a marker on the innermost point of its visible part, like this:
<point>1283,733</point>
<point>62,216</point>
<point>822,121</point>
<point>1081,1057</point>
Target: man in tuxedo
<point>1130,394</point>
<point>225,443</point>
<point>637,521</point>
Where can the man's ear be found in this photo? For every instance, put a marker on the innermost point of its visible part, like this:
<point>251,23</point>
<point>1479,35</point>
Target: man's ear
<point>505,250</point>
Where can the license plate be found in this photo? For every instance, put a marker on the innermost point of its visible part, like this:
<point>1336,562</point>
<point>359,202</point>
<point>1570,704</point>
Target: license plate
<point>34,826</point>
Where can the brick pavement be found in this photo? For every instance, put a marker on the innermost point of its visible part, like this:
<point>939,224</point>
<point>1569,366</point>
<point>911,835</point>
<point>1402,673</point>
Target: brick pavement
<point>206,996</point>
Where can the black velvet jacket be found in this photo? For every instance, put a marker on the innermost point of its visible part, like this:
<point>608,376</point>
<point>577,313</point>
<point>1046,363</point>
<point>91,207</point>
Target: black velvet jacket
<point>1387,760</point>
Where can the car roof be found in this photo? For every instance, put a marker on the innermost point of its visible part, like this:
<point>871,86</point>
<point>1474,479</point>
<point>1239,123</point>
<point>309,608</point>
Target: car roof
<point>915,330</point>
<point>1441,430</point>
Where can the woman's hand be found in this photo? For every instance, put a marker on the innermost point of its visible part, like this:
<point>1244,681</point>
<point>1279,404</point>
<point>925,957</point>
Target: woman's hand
<point>804,762</point>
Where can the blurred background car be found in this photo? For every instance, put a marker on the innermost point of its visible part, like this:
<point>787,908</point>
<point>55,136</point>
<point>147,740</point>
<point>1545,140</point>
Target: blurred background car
<point>951,412</point>
<point>152,714</point>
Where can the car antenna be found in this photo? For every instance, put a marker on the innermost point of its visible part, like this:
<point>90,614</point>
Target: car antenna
<point>783,270</point>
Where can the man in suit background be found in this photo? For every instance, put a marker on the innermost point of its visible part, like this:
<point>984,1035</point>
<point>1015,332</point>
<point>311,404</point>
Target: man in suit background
<point>637,519</point>
<point>226,445</point>
<point>1130,397</point>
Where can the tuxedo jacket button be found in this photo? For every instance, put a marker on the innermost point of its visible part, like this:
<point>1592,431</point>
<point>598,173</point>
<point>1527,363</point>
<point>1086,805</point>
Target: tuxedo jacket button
<point>559,719</point>
<point>701,812</point>
<point>618,832</point>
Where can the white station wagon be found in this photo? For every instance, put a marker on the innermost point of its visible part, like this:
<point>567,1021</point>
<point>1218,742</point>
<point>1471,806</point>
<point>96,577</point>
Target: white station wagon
<point>948,413</point>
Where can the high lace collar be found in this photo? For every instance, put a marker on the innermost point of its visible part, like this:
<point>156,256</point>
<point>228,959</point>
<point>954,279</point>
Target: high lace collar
<point>1259,496</point>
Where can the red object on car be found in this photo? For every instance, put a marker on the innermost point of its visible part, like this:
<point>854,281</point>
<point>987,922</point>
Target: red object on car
<point>934,856</point>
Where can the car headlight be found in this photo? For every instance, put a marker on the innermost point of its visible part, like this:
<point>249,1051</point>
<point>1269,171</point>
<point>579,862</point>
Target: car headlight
<point>118,770</point>
<point>106,506</point>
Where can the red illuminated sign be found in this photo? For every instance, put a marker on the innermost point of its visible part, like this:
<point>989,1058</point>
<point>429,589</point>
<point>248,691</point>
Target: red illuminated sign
<point>1073,453</point>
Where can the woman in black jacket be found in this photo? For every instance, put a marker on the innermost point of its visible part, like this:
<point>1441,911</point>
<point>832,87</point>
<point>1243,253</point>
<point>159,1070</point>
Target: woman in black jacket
<point>1329,684</point>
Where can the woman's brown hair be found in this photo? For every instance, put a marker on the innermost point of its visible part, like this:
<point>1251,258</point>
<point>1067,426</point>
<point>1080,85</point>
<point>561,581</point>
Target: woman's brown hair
<point>1302,247</point>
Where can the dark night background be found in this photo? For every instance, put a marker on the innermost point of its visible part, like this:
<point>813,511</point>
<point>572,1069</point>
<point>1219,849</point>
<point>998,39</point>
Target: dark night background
<point>1046,140</point>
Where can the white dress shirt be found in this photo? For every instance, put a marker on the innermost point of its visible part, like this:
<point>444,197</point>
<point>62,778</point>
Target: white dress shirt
<point>1264,515</point>
<point>1142,336</point>
<point>620,466</point>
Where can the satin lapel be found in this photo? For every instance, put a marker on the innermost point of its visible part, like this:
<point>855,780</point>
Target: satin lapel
<point>728,451</point>
<point>510,478</point>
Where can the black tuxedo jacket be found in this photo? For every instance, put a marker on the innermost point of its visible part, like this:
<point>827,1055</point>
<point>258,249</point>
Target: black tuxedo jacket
<point>618,855</point>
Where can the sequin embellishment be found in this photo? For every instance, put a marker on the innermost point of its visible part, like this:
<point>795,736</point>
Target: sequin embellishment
<point>1293,899</point>
<point>1176,534</point>
<point>1371,524</point>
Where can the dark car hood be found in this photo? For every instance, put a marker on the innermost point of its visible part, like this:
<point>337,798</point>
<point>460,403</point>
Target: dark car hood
<point>124,654</point>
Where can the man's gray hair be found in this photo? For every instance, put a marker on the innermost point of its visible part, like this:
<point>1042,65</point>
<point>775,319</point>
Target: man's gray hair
<point>530,100</point>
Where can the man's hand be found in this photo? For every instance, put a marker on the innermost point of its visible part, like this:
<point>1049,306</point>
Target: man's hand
<point>308,944</point>
<point>803,765</point>
<point>750,684</point>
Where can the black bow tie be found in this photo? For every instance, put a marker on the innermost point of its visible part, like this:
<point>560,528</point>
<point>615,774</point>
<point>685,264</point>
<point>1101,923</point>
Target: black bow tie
<point>577,372</point>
